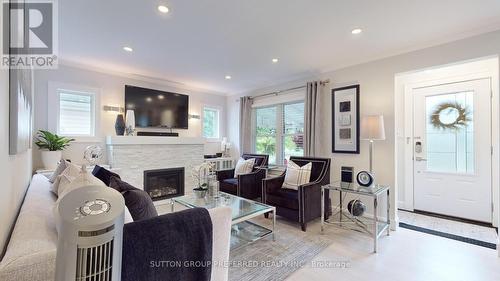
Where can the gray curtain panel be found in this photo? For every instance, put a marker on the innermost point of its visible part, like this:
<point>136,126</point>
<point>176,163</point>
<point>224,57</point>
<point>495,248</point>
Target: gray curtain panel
<point>246,125</point>
<point>312,118</point>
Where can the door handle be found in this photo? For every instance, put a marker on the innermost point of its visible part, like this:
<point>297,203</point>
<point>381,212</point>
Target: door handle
<point>420,159</point>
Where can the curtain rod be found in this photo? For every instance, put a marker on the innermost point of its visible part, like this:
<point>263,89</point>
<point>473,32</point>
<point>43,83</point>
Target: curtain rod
<point>324,82</point>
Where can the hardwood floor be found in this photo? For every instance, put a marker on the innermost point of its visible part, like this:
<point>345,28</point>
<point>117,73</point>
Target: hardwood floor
<point>405,255</point>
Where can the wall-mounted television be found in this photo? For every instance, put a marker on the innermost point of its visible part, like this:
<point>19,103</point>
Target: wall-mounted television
<point>157,109</point>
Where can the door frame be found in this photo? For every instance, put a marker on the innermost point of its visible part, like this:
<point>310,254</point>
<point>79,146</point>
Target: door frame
<point>483,68</point>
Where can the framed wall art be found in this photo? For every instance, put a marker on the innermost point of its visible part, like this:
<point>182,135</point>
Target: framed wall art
<point>20,88</point>
<point>345,120</point>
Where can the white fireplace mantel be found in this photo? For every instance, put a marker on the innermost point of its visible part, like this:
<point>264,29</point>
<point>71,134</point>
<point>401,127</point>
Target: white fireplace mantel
<point>136,154</point>
<point>145,140</point>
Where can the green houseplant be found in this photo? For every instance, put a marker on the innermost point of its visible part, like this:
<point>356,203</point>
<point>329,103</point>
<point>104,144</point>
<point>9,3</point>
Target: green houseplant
<point>51,146</point>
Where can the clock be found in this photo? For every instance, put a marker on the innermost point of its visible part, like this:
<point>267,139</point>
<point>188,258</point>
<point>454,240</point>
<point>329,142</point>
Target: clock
<point>364,178</point>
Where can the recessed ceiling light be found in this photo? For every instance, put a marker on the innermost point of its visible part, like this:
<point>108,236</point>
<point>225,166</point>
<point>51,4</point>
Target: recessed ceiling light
<point>275,60</point>
<point>162,8</point>
<point>161,97</point>
<point>128,49</point>
<point>356,31</point>
<point>148,99</point>
<point>228,77</point>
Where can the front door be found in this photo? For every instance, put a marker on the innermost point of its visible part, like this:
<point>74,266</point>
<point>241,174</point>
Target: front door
<point>452,149</point>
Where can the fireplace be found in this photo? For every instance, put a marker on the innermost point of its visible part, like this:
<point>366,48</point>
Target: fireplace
<point>164,183</point>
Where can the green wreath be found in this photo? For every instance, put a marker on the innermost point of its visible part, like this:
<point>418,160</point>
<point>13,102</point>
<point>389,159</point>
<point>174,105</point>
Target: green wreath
<point>461,121</point>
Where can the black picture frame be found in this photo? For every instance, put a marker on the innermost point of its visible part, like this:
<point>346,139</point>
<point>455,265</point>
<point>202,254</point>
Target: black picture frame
<point>352,92</point>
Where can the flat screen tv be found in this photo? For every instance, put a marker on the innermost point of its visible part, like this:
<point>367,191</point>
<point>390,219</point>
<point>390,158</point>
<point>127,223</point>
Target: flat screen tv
<point>157,109</point>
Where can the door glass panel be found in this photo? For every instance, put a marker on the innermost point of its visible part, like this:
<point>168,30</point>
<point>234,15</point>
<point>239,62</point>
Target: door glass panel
<point>265,135</point>
<point>450,133</point>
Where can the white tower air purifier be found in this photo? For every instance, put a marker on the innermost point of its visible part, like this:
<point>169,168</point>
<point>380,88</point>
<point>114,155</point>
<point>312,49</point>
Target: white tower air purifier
<point>90,226</point>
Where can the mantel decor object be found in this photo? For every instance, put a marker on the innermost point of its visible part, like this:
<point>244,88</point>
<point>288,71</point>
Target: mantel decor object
<point>120,125</point>
<point>130,123</point>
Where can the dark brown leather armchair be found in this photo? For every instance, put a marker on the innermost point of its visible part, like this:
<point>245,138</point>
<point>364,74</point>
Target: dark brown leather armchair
<point>247,185</point>
<point>302,205</point>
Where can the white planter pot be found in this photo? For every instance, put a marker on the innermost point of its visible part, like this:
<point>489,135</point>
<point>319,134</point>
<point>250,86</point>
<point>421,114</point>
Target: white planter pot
<point>51,158</point>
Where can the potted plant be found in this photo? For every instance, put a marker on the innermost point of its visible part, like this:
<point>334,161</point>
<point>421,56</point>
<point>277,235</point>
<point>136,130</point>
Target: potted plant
<point>51,146</point>
<point>201,174</point>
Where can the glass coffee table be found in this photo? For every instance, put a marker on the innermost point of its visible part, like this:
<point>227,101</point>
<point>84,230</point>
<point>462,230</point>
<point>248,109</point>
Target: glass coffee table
<point>243,231</point>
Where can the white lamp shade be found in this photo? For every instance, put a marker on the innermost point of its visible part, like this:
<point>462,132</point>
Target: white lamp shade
<point>372,127</point>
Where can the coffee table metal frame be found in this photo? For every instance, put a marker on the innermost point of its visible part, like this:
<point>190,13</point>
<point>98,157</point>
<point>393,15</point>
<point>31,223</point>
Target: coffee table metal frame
<point>222,200</point>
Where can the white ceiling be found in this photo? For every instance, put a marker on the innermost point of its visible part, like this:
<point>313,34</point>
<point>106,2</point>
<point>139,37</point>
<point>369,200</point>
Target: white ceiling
<point>200,41</point>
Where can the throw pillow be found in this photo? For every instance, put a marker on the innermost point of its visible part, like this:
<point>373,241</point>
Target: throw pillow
<point>103,174</point>
<point>60,168</point>
<point>127,216</point>
<point>296,175</point>
<point>71,171</point>
<point>244,166</point>
<point>137,201</point>
<point>84,178</point>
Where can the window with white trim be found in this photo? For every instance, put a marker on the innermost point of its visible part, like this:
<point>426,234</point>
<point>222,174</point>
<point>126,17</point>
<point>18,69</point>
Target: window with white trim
<point>211,122</point>
<point>73,110</point>
<point>279,131</point>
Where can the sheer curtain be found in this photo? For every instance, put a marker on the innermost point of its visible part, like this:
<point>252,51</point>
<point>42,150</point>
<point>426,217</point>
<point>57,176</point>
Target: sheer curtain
<point>312,118</point>
<point>246,125</point>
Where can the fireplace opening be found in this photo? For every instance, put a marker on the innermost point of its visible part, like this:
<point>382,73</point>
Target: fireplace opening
<point>164,183</point>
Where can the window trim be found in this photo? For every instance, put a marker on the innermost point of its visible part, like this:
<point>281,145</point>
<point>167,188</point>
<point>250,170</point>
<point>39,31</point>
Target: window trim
<point>219,112</point>
<point>53,108</point>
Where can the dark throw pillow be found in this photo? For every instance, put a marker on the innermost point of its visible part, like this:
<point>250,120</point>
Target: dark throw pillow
<point>138,202</point>
<point>103,174</point>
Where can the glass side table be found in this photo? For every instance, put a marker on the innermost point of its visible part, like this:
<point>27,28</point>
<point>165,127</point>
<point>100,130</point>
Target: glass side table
<point>374,227</point>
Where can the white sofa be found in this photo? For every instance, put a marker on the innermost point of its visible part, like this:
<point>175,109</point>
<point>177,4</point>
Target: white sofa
<point>31,252</point>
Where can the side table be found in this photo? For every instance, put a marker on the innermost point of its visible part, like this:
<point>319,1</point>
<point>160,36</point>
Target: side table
<point>374,227</point>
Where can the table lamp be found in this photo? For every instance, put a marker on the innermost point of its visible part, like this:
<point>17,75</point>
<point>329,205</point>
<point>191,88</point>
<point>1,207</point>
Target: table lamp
<point>372,129</point>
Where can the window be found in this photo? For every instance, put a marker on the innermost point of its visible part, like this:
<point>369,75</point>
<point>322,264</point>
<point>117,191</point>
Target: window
<point>293,130</point>
<point>211,123</point>
<point>76,114</point>
<point>72,110</point>
<point>450,151</point>
<point>265,132</point>
<point>279,131</point>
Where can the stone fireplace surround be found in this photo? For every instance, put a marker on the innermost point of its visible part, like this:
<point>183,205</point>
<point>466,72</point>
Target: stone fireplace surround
<point>132,155</point>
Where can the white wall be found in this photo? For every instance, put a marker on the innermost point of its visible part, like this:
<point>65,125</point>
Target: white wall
<point>112,88</point>
<point>377,82</point>
<point>15,171</point>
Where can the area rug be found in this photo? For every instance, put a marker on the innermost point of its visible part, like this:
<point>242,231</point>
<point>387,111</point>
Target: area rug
<point>275,260</point>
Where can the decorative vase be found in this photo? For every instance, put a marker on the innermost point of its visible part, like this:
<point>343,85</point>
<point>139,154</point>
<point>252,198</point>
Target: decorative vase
<point>200,193</point>
<point>213,186</point>
<point>120,125</point>
<point>51,158</point>
<point>130,123</point>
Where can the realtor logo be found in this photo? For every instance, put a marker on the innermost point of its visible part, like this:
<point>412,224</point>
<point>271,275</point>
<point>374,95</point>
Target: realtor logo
<point>29,35</point>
